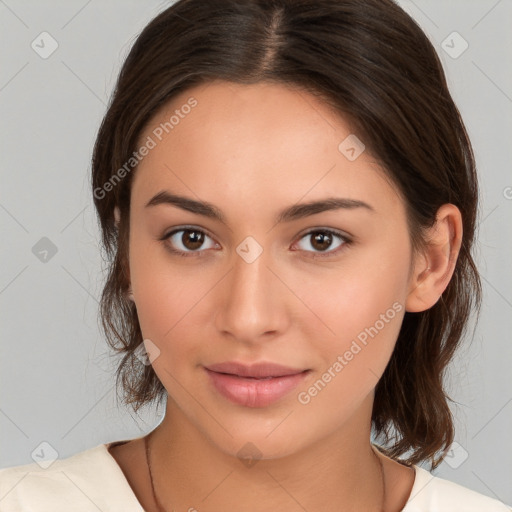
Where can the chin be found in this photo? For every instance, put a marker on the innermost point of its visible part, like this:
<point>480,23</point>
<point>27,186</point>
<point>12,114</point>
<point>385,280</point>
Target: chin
<point>254,443</point>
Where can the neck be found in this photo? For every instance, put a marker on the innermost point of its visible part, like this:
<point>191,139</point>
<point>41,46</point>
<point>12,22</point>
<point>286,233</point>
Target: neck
<point>341,471</point>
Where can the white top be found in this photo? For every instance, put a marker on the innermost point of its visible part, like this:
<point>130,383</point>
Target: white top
<point>92,480</point>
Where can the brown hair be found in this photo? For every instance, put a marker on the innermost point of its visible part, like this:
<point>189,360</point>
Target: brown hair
<point>372,64</point>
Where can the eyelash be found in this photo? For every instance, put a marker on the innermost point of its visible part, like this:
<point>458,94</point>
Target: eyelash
<point>315,255</point>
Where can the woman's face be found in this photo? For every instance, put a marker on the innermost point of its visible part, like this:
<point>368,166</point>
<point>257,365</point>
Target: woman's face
<point>251,287</point>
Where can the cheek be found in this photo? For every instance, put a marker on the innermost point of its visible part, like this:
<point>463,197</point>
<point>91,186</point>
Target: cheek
<point>167,309</point>
<point>163,296</point>
<point>361,308</point>
<point>365,316</point>
<point>168,304</point>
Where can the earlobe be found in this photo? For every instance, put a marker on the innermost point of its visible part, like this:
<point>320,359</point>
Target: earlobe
<point>434,267</point>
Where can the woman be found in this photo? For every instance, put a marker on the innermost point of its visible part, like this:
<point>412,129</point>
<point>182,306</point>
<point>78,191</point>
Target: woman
<point>287,196</point>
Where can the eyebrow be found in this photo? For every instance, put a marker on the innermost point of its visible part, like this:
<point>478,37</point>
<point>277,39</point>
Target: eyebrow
<point>294,212</point>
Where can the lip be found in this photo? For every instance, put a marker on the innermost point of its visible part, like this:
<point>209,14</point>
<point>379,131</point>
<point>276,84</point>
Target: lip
<point>255,370</point>
<point>273,382</point>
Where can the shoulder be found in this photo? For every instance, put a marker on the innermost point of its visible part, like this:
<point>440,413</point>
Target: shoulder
<point>90,479</point>
<point>431,493</point>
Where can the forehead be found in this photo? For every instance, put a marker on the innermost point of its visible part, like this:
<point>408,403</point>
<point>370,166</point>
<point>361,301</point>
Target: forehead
<point>253,141</point>
<point>236,114</point>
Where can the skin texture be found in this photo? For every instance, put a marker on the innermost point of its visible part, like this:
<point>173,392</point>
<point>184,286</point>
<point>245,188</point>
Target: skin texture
<point>252,150</point>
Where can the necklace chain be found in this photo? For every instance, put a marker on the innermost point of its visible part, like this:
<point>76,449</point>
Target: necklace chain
<point>146,444</point>
<point>161,508</point>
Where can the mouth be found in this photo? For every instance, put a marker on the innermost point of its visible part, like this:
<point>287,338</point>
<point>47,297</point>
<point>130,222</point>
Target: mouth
<point>255,391</point>
<point>261,370</point>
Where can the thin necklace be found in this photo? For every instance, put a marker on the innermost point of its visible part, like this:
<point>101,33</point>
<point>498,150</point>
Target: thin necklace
<point>158,504</point>
<point>383,481</point>
<point>161,508</point>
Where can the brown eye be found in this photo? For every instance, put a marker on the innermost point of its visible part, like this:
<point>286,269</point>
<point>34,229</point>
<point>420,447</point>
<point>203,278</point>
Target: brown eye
<point>323,241</point>
<point>187,240</point>
<point>192,240</point>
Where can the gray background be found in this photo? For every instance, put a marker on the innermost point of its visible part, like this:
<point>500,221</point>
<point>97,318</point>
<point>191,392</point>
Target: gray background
<point>56,372</point>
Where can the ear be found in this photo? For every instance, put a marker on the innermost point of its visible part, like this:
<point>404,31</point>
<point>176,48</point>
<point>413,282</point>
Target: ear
<point>433,267</point>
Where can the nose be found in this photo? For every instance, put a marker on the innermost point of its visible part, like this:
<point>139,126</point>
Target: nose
<point>253,302</point>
